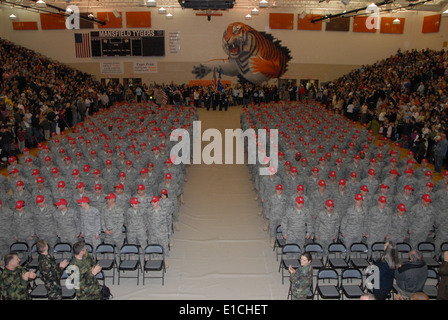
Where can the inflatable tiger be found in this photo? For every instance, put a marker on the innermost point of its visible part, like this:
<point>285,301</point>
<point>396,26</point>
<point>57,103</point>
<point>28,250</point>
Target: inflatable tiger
<point>252,56</point>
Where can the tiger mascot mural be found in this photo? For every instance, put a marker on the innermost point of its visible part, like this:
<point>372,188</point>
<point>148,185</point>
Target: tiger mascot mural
<point>253,56</point>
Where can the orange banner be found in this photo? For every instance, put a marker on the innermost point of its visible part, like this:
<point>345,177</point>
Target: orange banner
<point>138,19</point>
<point>281,21</point>
<point>24,25</point>
<point>431,24</point>
<point>359,25</point>
<point>387,25</point>
<point>306,24</point>
<point>111,20</point>
<point>52,21</point>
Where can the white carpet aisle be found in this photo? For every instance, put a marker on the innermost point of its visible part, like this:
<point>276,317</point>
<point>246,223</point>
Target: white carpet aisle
<point>221,250</point>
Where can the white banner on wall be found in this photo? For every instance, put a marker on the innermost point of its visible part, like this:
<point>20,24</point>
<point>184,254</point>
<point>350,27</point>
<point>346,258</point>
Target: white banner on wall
<point>145,67</point>
<point>112,68</point>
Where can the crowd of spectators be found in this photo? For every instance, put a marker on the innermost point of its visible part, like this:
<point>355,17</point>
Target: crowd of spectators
<point>403,97</point>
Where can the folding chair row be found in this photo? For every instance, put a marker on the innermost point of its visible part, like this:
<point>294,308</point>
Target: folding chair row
<point>330,286</point>
<point>147,261</point>
<point>360,255</point>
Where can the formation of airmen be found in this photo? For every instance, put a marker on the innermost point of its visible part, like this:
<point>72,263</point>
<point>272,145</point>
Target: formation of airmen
<point>108,179</point>
<point>336,182</point>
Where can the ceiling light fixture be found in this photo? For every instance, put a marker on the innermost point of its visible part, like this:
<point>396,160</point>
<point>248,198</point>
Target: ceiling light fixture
<point>396,21</point>
<point>263,4</point>
<point>151,3</point>
<point>255,11</point>
<point>162,10</point>
<point>40,4</point>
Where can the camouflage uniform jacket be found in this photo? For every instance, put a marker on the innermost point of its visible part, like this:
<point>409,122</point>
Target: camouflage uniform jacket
<point>12,286</point>
<point>89,288</point>
<point>50,273</point>
<point>301,281</point>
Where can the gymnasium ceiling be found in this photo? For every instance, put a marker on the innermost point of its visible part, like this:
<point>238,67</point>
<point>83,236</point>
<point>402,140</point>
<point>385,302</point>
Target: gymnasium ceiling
<point>311,6</point>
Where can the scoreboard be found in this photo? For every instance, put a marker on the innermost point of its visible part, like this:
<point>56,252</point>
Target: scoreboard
<point>133,43</point>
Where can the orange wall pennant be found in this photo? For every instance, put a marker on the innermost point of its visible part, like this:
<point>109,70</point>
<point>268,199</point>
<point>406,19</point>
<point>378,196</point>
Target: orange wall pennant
<point>138,19</point>
<point>360,25</point>
<point>52,21</point>
<point>306,24</point>
<point>431,23</point>
<point>281,21</point>
<point>387,25</point>
<point>24,25</point>
<point>111,20</point>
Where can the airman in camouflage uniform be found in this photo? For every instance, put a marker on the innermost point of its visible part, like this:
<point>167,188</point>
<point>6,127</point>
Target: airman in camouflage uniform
<point>44,224</point>
<point>89,288</point>
<point>112,220</point>
<point>158,229</point>
<point>14,280</point>
<point>377,222</point>
<point>23,224</point>
<point>136,224</point>
<point>67,221</point>
<point>50,271</point>
<point>276,207</point>
<point>301,278</point>
<point>398,230</point>
<point>327,225</point>
<point>352,223</point>
<point>297,224</point>
<point>6,234</point>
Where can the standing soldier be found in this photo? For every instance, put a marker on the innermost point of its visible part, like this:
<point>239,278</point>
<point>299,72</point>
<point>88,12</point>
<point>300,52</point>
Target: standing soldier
<point>352,223</point>
<point>297,224</point>
<point>143,197</point>
<point>341,198</point>
<point>277,204</point>
<point>43,190</point>
<point>377,222</point>
<point>112,220</point>
<point>14,280</point>
<point>23,224</point>
<point>326,229</point>
<point>353,184</point>
<point>171,206</point>
<point>44,223</point>
<point>97,198</point>
<point>171,186</point>
<point>136,224</point>
<point>319,197</point>
<point>20,193</point>
<point>267,184</point>
<point>406,197</point>
<point>158,229</point>
<point>67,222</point>
<point>422,221</point>
<point>399,225</point>
<point>50,272</point>
<point>90,222</point>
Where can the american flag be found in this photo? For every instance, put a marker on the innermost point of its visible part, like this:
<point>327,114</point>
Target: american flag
<point>219,81</point>
<point>82,45</point>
